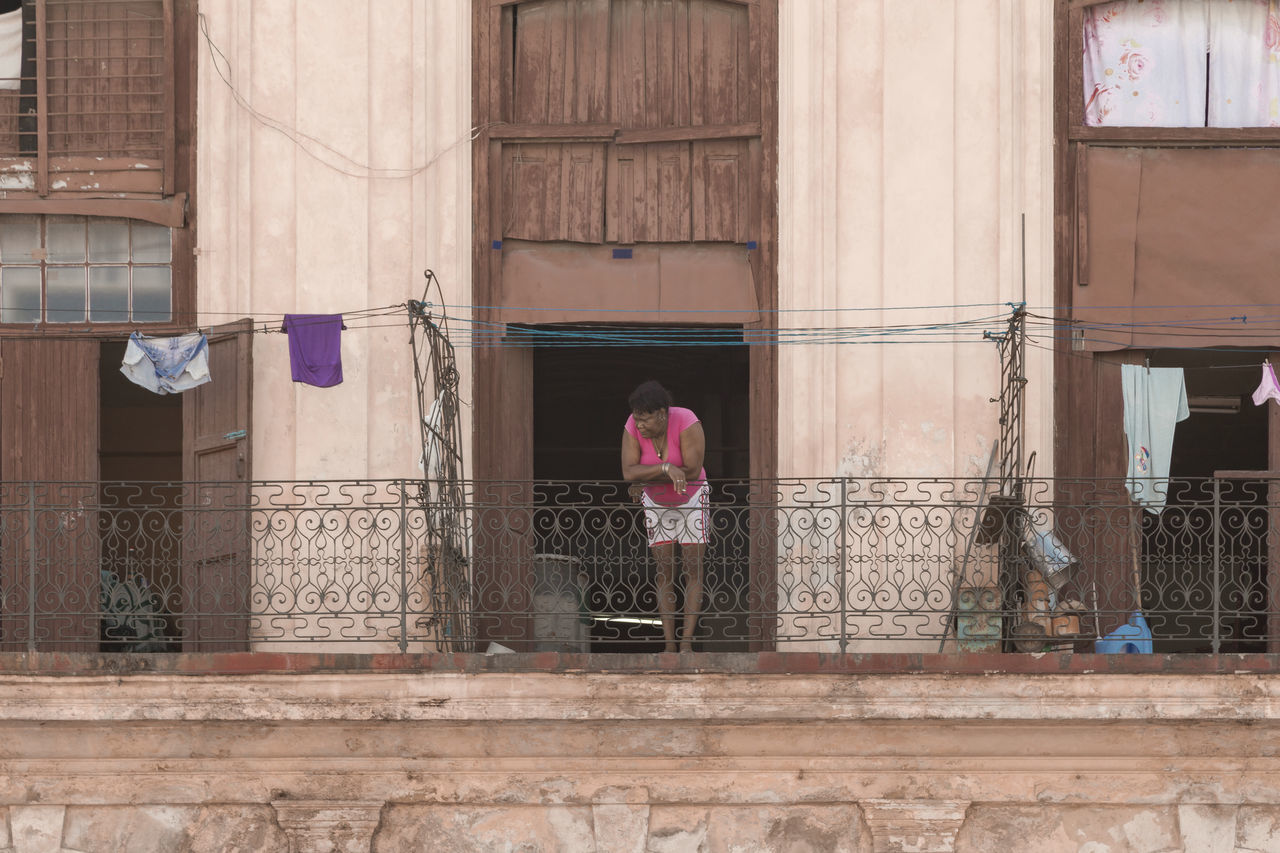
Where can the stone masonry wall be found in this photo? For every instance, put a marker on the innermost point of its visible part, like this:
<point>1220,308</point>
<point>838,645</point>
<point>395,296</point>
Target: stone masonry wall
<point>359,758</point>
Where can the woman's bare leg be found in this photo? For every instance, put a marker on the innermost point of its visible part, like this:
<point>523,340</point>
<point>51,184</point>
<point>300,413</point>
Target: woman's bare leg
<point>665,555</point>
<point>691,556</point>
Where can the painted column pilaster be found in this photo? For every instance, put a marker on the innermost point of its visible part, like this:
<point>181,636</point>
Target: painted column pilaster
<point>914,826</point>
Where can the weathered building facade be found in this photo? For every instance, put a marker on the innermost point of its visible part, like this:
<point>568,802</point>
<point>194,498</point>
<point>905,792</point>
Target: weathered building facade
<point>803,217</point>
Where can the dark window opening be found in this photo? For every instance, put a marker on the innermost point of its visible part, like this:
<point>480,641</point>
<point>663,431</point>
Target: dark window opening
<point>1205,556</point>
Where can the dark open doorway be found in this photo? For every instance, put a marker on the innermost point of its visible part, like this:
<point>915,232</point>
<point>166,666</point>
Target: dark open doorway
<point>1205,556</point>
<point>140,525</point>
<point>580,391</point>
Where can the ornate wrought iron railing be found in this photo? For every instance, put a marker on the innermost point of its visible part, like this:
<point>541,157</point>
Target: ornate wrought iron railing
<point>840,565</point>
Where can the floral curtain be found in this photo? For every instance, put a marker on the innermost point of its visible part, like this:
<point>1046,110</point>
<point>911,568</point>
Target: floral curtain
<point>1145,63</point>
<point>1244,63</point>
<point>1182,63</point>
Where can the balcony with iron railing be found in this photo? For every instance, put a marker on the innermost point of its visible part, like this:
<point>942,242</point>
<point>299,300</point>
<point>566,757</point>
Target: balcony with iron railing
<point>796,565</point>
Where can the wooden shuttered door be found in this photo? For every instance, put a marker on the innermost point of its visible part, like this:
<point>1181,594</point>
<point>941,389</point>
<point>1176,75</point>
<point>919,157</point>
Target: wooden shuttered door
<point>49,543</point>
<point>216,553</point>
<point>664,101</point>
<point>620,176</point>
<point>1096,517</point>
<point>95,112</point>
<point>637,63</point>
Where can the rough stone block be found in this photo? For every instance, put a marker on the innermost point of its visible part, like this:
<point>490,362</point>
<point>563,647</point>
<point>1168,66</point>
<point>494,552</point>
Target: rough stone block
<point>1257,829</point>
<point>676,829</point>
<point>38,829</point>
<point>788,829</point>
<point>1208,828</point>
<point>781,828</point>
<point>134,828</point>
<point>1070,829</point>
<point>173,829</point>
<point>620,827</point>
<point>499,829</point>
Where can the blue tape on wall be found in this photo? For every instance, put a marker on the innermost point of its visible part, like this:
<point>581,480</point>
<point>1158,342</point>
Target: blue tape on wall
<point>497,244</point>
<point>622,254</point>
<point>751,244</point>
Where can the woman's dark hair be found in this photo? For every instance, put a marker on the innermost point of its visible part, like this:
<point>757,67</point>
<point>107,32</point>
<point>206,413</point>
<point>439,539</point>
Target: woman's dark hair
<point>649,397</point>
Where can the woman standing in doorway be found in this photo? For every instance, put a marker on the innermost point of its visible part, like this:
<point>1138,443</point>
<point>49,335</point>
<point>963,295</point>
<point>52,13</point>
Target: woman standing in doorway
<point>662,450</point>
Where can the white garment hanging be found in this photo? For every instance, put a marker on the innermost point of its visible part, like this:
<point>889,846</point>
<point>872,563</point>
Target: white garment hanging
<point>1155,399</point>
<point>11,50</point>
<point>1268,388</point>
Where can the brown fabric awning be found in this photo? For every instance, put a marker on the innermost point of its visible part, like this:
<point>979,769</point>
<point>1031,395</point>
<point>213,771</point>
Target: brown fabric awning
<point>1177,243</point>
<point>659,283</point>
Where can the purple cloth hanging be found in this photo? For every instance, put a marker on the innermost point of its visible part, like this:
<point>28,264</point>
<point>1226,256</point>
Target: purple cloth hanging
<point>315,348</point>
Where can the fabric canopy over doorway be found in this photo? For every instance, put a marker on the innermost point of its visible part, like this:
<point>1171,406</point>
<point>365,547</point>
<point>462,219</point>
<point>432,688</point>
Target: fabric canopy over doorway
<point>653,283</point>
<point>1178,248</point>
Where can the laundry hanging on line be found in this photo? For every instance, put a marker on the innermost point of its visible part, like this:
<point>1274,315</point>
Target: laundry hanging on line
<point>315,348</point>
<point>11,49</point>
<point>167,365</point>
<point>1155,400</point>
<point>1268,388</point>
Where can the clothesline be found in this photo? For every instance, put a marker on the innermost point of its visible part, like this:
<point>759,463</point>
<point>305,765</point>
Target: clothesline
<point>171,365</point>
<point>260,325</point>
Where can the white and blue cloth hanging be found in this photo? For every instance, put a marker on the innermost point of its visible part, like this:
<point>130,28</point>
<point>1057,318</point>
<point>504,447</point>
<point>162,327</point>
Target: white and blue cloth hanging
<point>167,365</point>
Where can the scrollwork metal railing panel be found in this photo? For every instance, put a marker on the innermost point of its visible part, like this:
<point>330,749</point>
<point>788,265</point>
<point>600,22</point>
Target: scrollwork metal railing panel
<point>886,564</point>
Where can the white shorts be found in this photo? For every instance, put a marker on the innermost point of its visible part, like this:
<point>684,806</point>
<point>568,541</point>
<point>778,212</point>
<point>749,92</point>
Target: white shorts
<point>686,523</point>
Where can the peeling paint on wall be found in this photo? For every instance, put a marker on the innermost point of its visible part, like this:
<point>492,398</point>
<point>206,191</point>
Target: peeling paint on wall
<point>861,459</point>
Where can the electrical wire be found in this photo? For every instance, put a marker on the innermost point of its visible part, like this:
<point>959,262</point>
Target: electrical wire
<point>218,60</point>
<point>259,324</point>
<point>1089,357</point>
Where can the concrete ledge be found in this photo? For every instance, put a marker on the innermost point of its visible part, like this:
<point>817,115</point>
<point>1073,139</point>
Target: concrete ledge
<point>384,756</point>
<point>666,696</point>
<point>888,663</point>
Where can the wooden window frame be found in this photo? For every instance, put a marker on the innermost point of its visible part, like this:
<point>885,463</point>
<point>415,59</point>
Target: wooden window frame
<point>86,175</point>
<point>181,301</point>
<point>44,265</point>
<point>1071,21</point>
<point>173,205</point>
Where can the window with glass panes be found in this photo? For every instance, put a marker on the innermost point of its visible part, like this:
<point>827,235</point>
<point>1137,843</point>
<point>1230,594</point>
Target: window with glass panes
<point>77,269</point>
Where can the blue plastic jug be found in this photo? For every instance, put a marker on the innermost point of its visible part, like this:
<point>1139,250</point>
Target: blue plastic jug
<point>1131,638</point>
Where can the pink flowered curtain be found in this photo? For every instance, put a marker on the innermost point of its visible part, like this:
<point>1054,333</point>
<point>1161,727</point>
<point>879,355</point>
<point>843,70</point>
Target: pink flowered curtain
<point>1149,63</point>
<point>1244,63</point>
<point>1145,63</point>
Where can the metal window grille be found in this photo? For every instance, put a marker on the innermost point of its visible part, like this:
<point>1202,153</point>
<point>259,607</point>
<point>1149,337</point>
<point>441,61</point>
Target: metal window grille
<point>96,88</point>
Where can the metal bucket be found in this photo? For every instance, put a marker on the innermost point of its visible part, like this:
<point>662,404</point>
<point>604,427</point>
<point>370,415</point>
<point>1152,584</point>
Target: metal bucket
<point>1047,553</point>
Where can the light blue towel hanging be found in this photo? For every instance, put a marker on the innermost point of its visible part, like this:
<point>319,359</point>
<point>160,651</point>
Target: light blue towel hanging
<point>1155,400</point>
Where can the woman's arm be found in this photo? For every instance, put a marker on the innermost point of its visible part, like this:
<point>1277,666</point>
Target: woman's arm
<point>633,471</point>
<point>693,448</point>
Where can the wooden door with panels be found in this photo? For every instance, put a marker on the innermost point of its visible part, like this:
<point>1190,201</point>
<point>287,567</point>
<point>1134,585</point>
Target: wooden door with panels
<point>49,542</point>
<point>217,538</point>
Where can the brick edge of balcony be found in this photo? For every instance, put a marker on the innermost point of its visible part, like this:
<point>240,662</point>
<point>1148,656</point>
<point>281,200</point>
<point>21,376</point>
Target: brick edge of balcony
<point>747,663</point>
